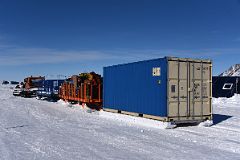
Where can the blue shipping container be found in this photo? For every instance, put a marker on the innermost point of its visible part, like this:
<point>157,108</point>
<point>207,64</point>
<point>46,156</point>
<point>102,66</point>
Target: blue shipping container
<point>168,89</point>
<point>49,88</point>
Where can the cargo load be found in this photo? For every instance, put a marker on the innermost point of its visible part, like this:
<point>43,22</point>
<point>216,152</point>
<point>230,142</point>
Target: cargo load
<point>85,88</point>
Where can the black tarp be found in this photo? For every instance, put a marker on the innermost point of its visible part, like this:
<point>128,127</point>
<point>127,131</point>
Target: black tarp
<point>225,86</point>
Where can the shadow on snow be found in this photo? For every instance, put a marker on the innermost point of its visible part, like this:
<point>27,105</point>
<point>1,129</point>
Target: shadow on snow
<point>218,118</point>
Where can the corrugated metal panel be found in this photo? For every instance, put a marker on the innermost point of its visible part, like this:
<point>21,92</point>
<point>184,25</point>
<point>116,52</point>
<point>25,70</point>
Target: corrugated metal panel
<point>51,85</point>
<point>189,88</point>
<point>133,87</point>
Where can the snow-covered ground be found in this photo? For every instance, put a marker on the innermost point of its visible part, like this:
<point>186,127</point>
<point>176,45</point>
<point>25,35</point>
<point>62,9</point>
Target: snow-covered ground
<point>32,129</point>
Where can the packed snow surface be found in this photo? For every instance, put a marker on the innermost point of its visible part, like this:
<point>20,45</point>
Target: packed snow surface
<point>34,129</point>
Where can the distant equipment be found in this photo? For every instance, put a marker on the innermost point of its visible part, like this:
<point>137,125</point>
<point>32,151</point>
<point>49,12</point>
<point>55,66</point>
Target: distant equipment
<point>14,82</point>
<point>5,82</point>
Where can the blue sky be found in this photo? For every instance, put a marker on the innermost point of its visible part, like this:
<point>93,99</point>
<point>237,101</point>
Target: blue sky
<point>53,37</point>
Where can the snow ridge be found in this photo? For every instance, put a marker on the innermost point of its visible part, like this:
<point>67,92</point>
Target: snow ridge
<point>232,71</point>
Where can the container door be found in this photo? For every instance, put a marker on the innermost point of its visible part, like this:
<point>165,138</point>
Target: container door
<point>200,89</point>
<point>178,89</point>
<point>188,89</point>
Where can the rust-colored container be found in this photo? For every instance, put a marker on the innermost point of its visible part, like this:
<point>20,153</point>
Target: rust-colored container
<point>32,82</point>
<point>31,85</point>
<point>84,88</point>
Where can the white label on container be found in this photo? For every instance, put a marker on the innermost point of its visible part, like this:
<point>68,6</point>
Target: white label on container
<point>156,71</point>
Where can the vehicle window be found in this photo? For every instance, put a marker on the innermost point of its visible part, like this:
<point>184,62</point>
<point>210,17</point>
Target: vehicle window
<point>227,86</point>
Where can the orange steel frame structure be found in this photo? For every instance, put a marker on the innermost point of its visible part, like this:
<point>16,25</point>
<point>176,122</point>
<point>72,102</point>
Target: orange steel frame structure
<point>87,91</point>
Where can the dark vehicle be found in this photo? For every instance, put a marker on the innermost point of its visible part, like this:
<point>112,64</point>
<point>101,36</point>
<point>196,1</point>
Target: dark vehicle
<point>5,82</point>
<point>14,82</point>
